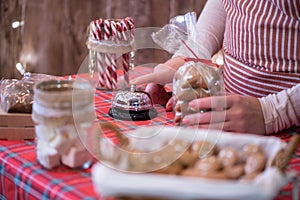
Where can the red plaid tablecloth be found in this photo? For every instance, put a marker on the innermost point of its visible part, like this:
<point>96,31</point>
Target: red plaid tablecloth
<point>21,177</point>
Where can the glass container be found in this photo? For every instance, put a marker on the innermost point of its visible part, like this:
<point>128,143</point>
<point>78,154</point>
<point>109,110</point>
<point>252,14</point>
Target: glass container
<point>62,110</point>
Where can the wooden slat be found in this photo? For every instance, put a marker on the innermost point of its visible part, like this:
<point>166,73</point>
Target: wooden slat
<point>16,126</point>
<point>16,120</point>
<point>9,133</point>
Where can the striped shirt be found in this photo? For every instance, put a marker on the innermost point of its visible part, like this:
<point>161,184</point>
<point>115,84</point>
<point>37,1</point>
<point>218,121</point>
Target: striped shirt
<point>261,46</point>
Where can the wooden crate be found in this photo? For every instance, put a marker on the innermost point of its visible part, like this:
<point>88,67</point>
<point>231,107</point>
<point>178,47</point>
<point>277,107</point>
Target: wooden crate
<point>16,126</point>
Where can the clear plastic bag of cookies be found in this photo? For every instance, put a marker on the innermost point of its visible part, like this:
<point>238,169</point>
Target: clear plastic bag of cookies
<point>193,80</point>
<point>16,96</point>
<point>198,77</point>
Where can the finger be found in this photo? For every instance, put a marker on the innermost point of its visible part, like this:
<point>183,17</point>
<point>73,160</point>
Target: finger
<point>227,126</point>
<point>205,118</point>
<point>169,105</point>
<point>162,77</point>
<point>161,67</point>
<point>224,126</point>
<point>148,78</point>
<point>207,103</point>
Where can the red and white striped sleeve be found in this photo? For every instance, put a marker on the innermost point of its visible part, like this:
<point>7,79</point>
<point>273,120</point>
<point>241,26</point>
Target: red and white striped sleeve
<point>281,110</point>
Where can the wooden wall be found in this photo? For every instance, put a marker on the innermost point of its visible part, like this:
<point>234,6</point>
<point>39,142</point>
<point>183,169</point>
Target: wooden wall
<point>10,39</point>
<point>53,37</point>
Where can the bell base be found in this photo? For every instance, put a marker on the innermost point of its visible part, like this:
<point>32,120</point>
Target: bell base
<point>131,115</point>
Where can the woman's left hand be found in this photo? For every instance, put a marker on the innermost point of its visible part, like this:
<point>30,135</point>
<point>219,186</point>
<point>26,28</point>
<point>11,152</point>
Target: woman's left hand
<point>233,113</point>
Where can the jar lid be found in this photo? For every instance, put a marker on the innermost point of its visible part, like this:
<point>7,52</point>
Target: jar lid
<point>63,94</point>
<point>60,102</point>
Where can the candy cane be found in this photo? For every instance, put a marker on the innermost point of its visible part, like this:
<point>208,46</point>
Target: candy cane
<point>111,69</point>
<point>125,56</point>
<point>130,23</point>
<point>101,67</point>
<point>124,28</point>
<point>99,57</point>
<point>113,55</point>
<point>126,25</point>
<point>107,73</point>
<point>93,30</point>
<point>119,30</point>
<point>99,24</point>
<point>96,33</point>
<point>116,30</point>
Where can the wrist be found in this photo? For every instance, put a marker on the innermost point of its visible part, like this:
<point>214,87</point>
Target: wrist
<point>175,62</point>
<point>278,111</point>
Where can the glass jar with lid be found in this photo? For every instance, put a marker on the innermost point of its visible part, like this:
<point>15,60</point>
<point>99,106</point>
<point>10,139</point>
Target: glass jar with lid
<point>62,111</point>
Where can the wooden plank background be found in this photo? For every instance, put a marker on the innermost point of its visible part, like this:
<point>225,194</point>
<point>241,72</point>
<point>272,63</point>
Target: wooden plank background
<point>52,40</point>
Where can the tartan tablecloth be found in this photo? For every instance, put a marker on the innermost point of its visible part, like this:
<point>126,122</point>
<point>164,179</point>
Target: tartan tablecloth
<point>21,177</point>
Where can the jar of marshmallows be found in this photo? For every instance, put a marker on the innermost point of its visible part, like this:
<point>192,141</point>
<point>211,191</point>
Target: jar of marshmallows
<point>63,112</point>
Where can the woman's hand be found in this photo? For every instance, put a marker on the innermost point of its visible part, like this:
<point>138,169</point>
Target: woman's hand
<point>158,94</point>
<point>162,73</point>
<point>233,113</point>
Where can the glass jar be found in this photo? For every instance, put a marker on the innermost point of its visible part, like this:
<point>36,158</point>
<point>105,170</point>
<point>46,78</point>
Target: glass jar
<point>62,111</point>
<point>111,45</point>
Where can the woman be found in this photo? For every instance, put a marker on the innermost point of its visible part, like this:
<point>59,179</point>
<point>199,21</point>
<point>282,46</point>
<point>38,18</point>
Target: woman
<point>261,44</point>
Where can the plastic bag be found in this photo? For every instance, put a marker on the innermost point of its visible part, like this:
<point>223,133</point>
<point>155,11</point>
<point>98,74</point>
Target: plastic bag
<point>172,36</point>
<point>16,96</point>
<point>194,80</point>
<point>198,77</point>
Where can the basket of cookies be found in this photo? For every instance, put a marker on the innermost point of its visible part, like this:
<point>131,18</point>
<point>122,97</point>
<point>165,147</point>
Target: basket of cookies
<point>184,163</point>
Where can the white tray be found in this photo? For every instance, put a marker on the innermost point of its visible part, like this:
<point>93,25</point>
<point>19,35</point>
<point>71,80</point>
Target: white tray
<point>110,182</point>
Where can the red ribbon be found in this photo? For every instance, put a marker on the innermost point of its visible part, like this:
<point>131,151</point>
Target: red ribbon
<point>208,62</point>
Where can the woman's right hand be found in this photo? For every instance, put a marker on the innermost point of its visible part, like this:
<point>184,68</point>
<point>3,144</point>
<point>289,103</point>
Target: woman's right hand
<point>162,73</point>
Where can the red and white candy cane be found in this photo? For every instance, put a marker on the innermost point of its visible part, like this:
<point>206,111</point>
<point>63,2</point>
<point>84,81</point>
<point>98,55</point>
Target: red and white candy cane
<point>111,68</point>
<point>119,30</point>
<point>113,27</point>
<point>101,67</point>
<point>125,28</point>
<point>96,33</point>
<point>125,57</point>
<point>98,24</point>
<point>126,25</point>
<point>115,31</point>
<point>130,23</point>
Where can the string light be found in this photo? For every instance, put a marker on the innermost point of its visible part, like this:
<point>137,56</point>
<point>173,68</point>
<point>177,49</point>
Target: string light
<point>20,68</point>
<point>17,24</point>
<point>21,25</point>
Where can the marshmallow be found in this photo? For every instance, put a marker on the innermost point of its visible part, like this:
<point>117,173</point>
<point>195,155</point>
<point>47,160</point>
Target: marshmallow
<point>61,142</point>
<point>72,134</point>
<point>76,157</point>
<point>45,133</point>
<point>69,130</point>
<point>46,155</point>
